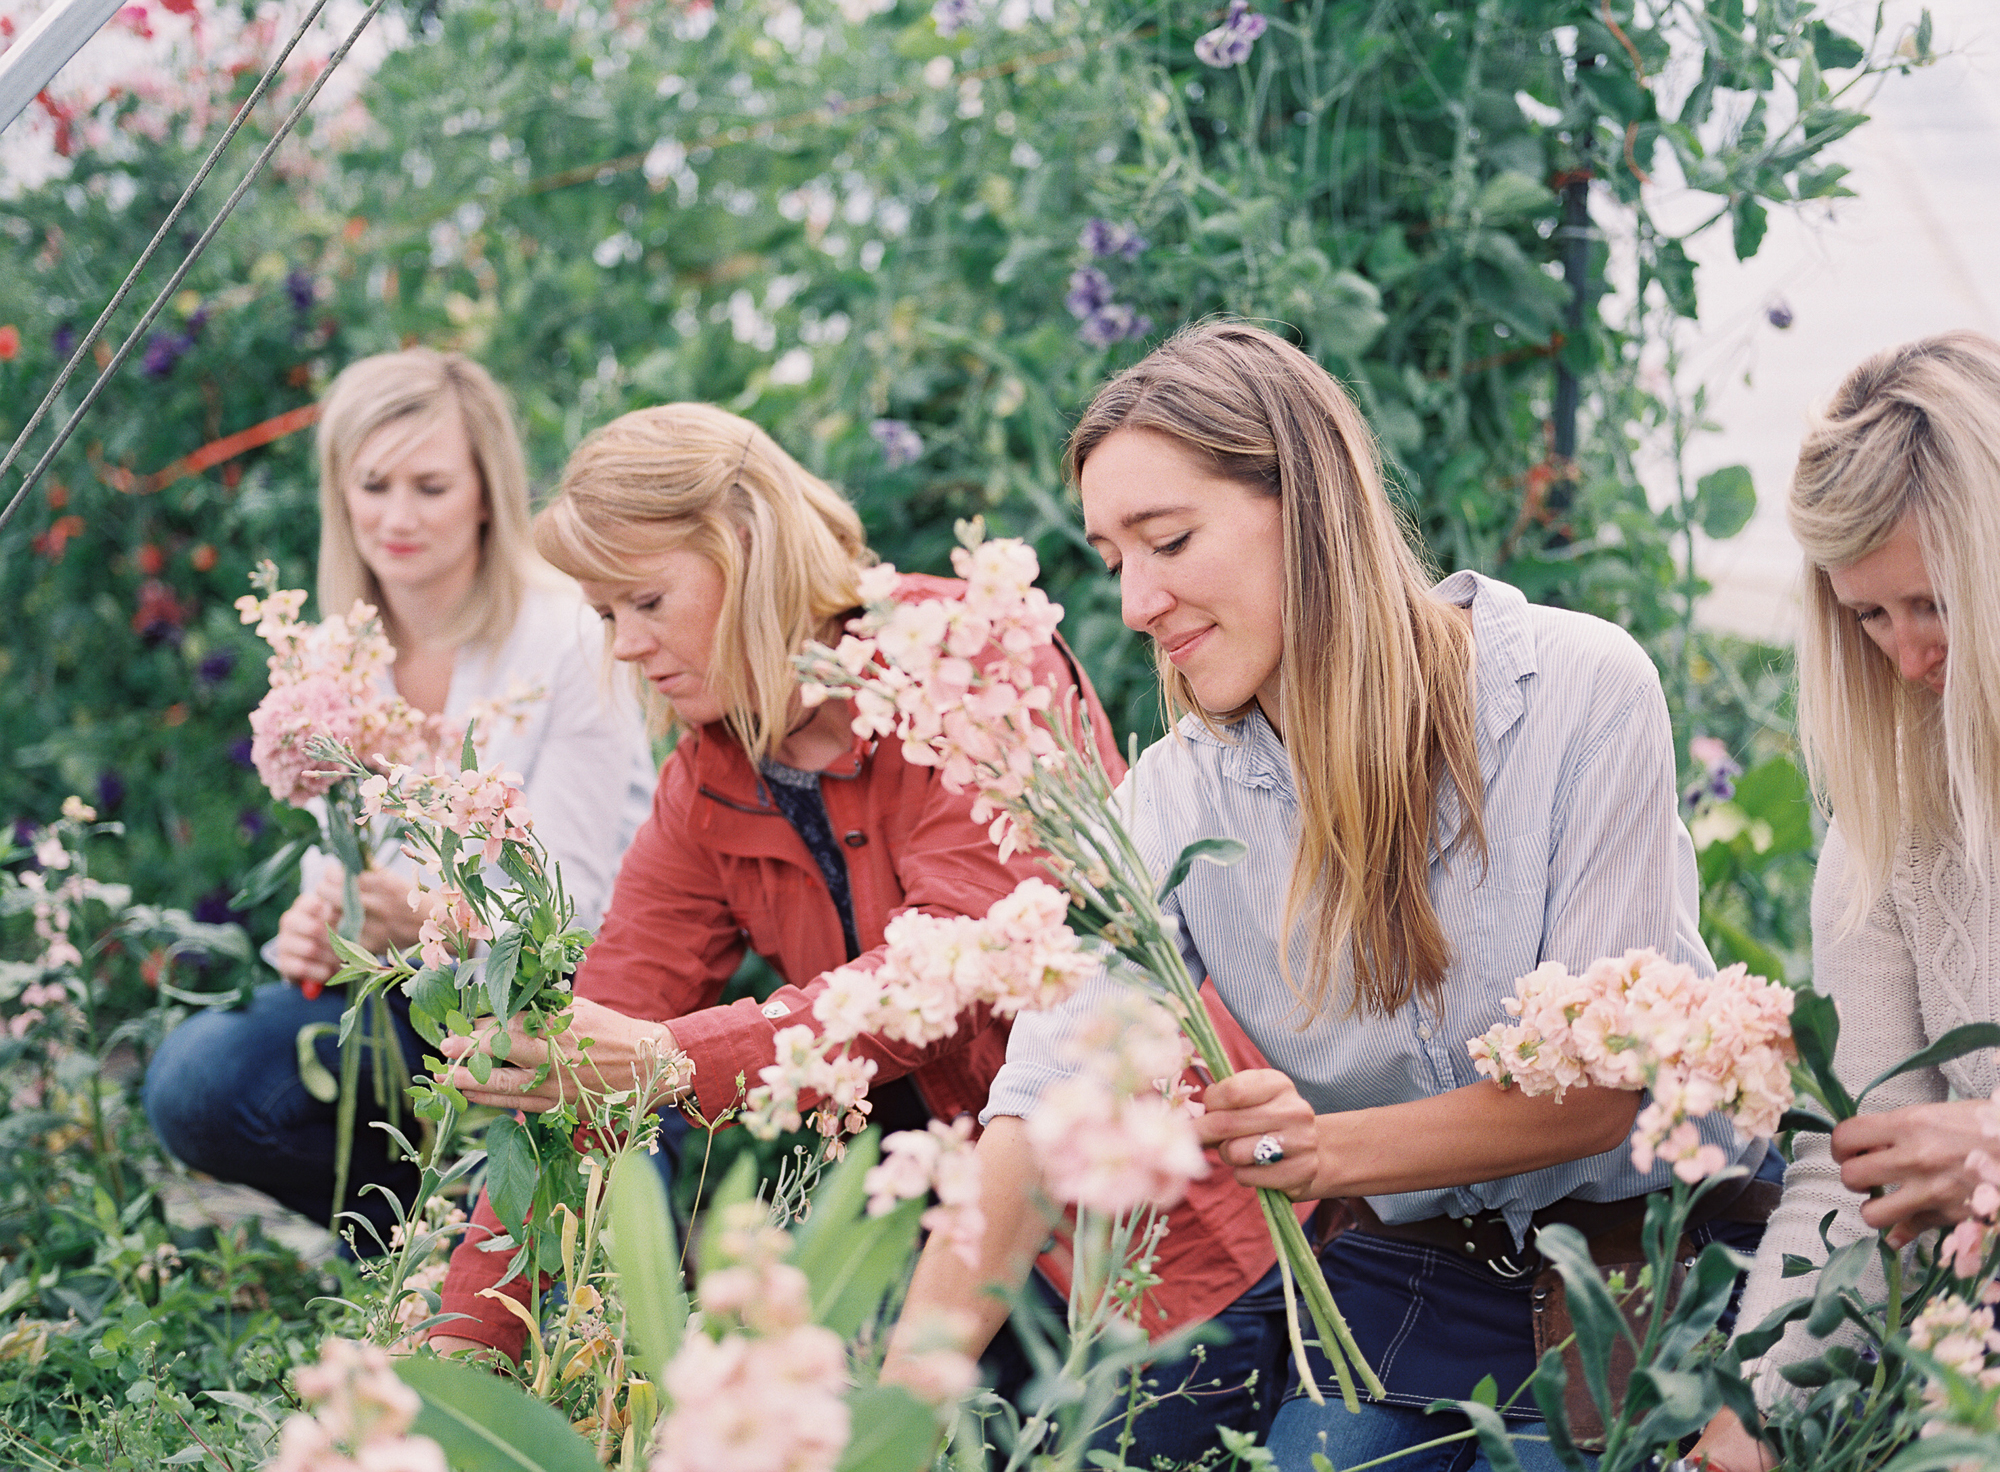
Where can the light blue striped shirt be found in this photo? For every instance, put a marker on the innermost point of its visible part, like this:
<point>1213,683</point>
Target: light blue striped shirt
<point>1588,857</point>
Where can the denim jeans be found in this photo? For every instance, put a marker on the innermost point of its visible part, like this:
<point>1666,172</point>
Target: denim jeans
<point>1234,1382</point>
<point>1349,1439</point>
<point>224,1095</point>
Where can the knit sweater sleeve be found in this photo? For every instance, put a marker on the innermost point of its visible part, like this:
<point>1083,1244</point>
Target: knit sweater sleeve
<point>1872,977</point>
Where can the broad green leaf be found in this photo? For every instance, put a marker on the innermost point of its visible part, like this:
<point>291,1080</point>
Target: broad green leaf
<point>511,1171</point>
<point>268,878</point>
<point>1816,1033</point>
<point>892,1431</point>
<point>1594,1314</point>
<point>502,961</point>
<point>1509,194</point>
<point>1833,51</point>
<point>1806,1120</point>
<point>487,1424</point>
<point>1727,499</point>
<point>852,1273</point>
<point>1491,1430</point>
<point>1550,1387</point>
<point>1218,851</point>
<point>1703,1297</point>
<point>1776,791</point>
<point>647,1257</point>
<point>1742,946</point>
<point>1955,1044</point>
<point>1747,220</point>
<point>1841,1274</point>
<point>1682,1404</point>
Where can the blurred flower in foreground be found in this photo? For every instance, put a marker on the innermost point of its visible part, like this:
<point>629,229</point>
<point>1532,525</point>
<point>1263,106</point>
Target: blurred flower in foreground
<point>361,1417</point>
<point>1719,773</point>
<point>1229,43</point>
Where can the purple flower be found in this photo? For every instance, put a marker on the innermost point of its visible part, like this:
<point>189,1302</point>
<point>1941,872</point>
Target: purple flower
<point>1229,43</point>
<point>299,287</point>
<point>1089,290</point>
<point>1779,314</point>
<point>110,791</point>
<point>239,752</point>
<point>195,323</point>
<point>1102,238</point>
<point>63,340</point>
<point>213,907</point>
<point>252,823</point>
<point>901,445</point>
<point>24,834</point>
<point>952,16</point>
<point>1111,323</point>
<point>163,351</point>
<point>214,669</point>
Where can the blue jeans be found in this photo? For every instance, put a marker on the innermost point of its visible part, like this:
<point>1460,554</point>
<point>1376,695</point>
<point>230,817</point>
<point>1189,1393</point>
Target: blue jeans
<point>1235,1382</point>
<point>224,1095</point>
<point>1348,1440</point>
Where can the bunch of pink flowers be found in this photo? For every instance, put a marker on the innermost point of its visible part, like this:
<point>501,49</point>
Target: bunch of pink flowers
<point>1119,1133</point>
<point>939,1159</point>
<point>1640,1021</point>
<point>331,680</point>
<point>1972,1241</point>
<point>758,1387</point>
<point>953,678</point>
<point>361,1417</point>
<point>1960,1336</point>
<point>1021,955</point>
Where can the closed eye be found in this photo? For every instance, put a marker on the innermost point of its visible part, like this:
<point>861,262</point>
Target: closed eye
<point>1168,549</point>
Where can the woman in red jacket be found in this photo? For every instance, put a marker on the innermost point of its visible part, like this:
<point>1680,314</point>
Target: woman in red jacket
<point>714,557</point>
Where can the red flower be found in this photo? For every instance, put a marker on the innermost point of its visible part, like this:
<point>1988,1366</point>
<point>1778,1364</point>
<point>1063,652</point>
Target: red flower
<point>202,559</point>
<point>151,559</point>
<point>50,543</point>
<point>10,342</point>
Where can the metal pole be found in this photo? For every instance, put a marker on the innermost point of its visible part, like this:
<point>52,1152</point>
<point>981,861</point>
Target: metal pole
<point>45,48</point>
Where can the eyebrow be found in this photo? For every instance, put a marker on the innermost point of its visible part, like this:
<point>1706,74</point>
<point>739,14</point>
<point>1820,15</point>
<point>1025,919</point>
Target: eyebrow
<point>1126,523</point>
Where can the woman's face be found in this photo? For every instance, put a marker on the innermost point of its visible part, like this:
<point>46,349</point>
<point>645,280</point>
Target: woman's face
<point>1199,560</point>
<point>1889,592</point>
<point>664,622</point>
<point>417,505</point>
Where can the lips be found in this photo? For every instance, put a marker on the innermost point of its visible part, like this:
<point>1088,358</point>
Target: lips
<point>1179,647</point>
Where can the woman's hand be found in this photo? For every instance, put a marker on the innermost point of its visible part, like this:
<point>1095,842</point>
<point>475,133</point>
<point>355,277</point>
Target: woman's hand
<point>452,1344</point>
<point>1724,1446</point>
<point>624,1053</point>
<point>1920,1151</point>
<point>1245,1107</point>
<point>302,953</point>
<point>393,910</point>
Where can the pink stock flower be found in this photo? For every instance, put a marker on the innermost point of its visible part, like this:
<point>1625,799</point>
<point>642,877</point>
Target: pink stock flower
<point>941,1159</point>
<point>755,1404</point>
<point>361,1418</point>
<point>1699,1043</point>
<point>453,928</point>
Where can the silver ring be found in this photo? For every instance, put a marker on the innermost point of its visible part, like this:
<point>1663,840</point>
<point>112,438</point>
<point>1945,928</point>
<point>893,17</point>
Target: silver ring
<point>1268,1150</point>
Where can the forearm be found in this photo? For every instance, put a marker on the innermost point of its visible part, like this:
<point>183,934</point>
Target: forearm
<point>1478,1133</point>
<point>975,1302</point>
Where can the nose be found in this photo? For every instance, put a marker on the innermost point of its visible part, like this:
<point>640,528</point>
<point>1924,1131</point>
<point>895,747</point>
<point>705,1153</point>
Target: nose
<point>1142,599</point>
<point>1917,654</point>
<point>629,638</point>
<point>400,512</point>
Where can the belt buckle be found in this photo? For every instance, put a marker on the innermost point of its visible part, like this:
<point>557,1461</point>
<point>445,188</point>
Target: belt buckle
<point>1505,1267</point>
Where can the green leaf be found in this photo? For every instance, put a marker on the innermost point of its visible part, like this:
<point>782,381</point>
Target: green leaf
<point>1550,1386</point>
<point>511,1171</point>
<point>502,961</point>
<point>1747,221</point>
<point>893,1431</point>
<point>644,1251</point>
<point>1955,1044</point>
<point>1508,195</point>
<point>1683,1403</point>
<point>1726,500</point>
<point>853,1260</point>
<point>269,877</point>
<point>1816,1033</point>
<point>1806,1120</point>
<point>1491,1430</point>
<point>1842,1273</point>
<point>487,1424</point>
<point>1833,51</point>
<point>1594,1314</point>
<point>1221,852</point>
<point>1776,791</point>
<point>319,1081</point>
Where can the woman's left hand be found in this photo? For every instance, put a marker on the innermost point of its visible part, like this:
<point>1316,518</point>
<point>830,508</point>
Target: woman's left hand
<point>1920,1151</point>
<point>624,1053</point>
<point>1243,1109</point>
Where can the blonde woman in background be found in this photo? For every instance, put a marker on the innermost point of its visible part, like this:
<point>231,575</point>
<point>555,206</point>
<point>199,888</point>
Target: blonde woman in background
<point>423,514</point>
<point>1896,504</point>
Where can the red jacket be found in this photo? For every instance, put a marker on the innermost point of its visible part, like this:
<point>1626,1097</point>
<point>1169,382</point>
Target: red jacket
<point>717,869</point>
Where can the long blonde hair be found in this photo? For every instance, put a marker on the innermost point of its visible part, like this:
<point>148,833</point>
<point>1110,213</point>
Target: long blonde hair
<point>789,547</point>
<point>1376,697</point>
<point>412,390</point>
<point>1912,433</point>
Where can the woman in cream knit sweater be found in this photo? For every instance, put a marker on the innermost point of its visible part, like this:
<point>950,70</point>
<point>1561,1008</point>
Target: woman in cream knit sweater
<point>1897,504</point>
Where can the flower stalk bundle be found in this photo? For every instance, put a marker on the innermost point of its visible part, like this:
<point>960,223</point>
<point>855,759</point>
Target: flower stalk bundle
<point>952,679</point>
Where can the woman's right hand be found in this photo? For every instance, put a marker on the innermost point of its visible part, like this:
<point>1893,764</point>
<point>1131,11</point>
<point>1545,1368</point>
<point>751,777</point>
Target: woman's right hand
<point>1724,1447</point>
<point>304,956</point>
<point>452,1344</point>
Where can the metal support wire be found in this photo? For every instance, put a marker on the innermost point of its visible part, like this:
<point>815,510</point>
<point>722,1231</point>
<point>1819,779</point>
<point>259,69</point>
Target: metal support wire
<point>283,131</point>
<point>45,48</point>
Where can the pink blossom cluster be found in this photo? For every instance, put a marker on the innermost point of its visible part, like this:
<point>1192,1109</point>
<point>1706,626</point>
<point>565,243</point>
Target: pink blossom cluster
<point>1640,1021</point>
<point>361,1417</point>
<point>953,678</point>
<point>34,997</point>
<point>942,1159</point>
<point>934,967</point>
<point>1119,1133</point>
<point>1959,1336</point>
<point>1971,1242</point>
<point>765,1394</point>
<point>327,679</point>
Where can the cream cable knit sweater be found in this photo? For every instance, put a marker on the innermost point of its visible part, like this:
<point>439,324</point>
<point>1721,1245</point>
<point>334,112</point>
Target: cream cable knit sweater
<point>1925,960</point>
